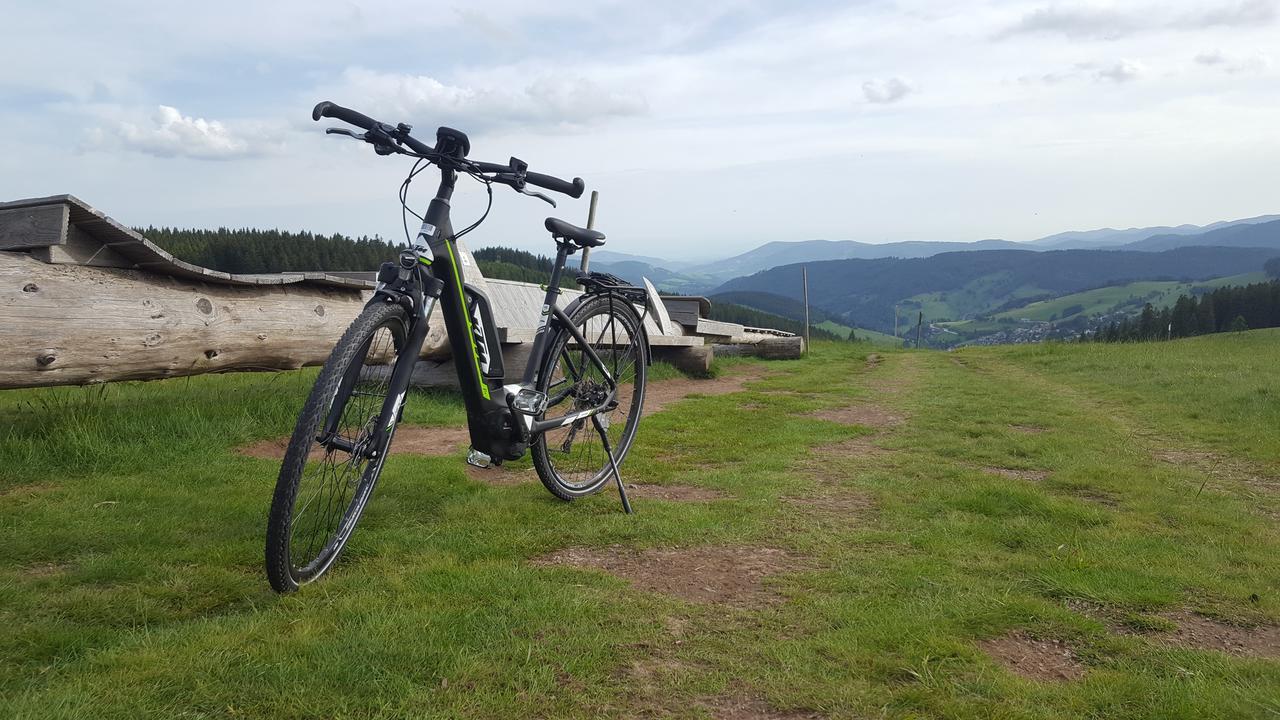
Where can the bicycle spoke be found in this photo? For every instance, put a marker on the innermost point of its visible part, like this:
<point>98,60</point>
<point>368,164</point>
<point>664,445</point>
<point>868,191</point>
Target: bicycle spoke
<point>332,487</point>
<point>576,453</point>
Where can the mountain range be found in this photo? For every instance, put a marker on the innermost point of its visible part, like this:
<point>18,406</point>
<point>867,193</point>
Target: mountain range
<point>958,285</point>
<point>1261,231</point>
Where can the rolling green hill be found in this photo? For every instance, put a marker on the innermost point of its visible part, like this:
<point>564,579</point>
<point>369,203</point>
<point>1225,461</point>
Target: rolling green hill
<point>877,338</point>
<point>1123,299</point>
<point>1115,298</point>
<point>965,285</point>
<point>794,310</point>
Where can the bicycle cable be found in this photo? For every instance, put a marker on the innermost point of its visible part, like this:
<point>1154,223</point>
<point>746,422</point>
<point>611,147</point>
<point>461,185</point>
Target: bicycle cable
<point>404,198</point>
<point>488,186</point>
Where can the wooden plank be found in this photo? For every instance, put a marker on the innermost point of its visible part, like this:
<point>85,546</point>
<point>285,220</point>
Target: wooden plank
<point>136,251</point>
<point>33,227</point>
<point>718,329</point>
<point>81,249</point>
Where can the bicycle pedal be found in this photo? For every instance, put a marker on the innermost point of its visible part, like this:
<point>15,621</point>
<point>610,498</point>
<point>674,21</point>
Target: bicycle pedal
<point>529,402</point>
<point>478,459</point>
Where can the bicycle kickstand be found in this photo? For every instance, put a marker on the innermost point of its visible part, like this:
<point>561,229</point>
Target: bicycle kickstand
<point>604,436</point>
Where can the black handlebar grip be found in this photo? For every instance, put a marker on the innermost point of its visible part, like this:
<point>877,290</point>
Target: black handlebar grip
<point>328,109</point>
<point>572,189</point>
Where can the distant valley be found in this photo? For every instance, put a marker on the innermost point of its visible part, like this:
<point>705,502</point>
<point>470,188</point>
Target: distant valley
<point>986,289</point>
<point>1262,231</point>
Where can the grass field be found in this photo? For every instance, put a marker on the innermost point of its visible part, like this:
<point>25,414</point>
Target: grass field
<point>900,530</point>
<point>876,338</point>
<point>1131,296</point>
<point>974,298</point>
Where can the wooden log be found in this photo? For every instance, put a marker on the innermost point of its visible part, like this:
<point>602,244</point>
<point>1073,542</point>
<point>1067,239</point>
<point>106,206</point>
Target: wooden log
<point>695,359</point>
<point>773,348</point>
<point>73,325</point>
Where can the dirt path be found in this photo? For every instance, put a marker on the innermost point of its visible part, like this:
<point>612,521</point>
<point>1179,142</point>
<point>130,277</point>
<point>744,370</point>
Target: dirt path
<point>447,441</point>
<point>664,393</point>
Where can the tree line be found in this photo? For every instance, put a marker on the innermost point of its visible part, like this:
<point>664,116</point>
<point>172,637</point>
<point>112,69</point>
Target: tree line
<point>244,250</point>
<point>1230,308</point>
<point>502,263</point>
<point>742,315</point>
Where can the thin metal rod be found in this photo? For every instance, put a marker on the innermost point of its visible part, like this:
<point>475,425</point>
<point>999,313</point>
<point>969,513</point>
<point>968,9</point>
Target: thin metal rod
<point>604,437</point>
<point>804,274</point>
<point>591,225</point>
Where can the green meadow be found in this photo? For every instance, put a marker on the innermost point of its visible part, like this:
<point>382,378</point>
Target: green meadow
<point>920,508</point>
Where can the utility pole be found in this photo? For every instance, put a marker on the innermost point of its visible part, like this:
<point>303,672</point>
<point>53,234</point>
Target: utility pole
<point>591,225</point>
<point>919,325</point>
<point>804,279</point>
<point>895,320</point>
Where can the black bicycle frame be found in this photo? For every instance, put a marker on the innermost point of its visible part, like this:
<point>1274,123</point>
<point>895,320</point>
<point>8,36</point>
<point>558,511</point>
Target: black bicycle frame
<point>431,275</point>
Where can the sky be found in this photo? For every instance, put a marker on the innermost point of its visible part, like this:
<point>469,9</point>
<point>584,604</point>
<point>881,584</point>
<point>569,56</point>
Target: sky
<point>708,127</point>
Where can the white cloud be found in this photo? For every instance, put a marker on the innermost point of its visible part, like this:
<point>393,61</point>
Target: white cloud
<point>542,102</point>
<point>886,91</point>
<point>1110,21</point>
<point>1247,13</point>
<point>1076,21</point>
<point>1121,71</point>
<point>168,133</point>
<point>662,99</point>
<point>1235,63</point>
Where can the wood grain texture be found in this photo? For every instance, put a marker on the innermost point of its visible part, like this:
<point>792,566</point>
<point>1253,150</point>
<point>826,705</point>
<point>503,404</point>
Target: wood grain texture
<point>73,325</point>
<point>33,227</point>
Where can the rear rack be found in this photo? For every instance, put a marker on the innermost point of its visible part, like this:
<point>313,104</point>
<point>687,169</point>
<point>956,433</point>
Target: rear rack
<point>600,282</point>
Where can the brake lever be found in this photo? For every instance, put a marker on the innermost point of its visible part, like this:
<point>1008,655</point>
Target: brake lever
<point>344,131</point>
<point>540,196</point>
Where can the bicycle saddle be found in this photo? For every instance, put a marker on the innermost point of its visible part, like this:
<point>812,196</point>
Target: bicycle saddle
<point>582,237</point>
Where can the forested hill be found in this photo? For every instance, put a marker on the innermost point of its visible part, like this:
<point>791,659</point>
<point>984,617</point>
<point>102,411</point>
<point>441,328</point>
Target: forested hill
<point>865,291</point>
<point>501,263</point>
<point>267,251</point>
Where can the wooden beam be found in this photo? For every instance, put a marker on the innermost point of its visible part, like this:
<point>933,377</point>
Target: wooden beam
<point>33,227</point>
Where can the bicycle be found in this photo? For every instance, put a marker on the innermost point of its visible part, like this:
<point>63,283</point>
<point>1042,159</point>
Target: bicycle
<point>571,392</point>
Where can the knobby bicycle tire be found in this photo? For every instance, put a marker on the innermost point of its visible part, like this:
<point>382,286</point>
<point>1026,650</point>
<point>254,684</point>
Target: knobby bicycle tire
<point>571,461</point>
<point>359,392</point>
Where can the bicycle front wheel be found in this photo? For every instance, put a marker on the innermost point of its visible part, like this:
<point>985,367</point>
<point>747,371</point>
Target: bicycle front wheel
<point>571,460</point>
<point>328,475</point>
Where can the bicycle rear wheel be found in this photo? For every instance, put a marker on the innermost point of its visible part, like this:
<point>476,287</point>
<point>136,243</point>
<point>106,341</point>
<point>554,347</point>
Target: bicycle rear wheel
<point>571,460</point>
<point>327,477</point>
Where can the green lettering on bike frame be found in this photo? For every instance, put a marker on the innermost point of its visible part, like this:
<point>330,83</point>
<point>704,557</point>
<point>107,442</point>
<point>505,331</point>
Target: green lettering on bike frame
<point>471,333</point>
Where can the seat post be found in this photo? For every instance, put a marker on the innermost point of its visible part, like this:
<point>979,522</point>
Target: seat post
<point>562,255</point>
<point>540,336</point>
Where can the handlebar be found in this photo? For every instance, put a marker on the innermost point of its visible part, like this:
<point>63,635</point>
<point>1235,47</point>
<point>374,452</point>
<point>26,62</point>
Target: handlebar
<point>346,115</point>
<point>572,189</point>
<point>400,134</point>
